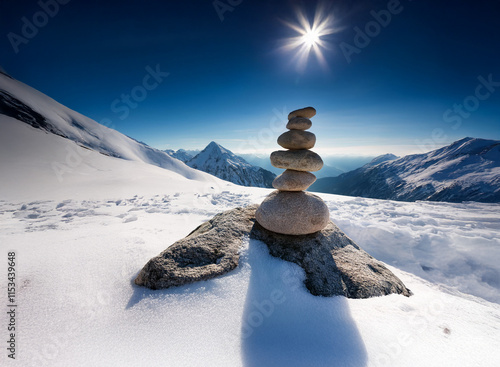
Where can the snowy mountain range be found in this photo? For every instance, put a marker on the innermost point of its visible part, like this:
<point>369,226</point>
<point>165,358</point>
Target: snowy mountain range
<point>222,163</point>
<point>467,170</point>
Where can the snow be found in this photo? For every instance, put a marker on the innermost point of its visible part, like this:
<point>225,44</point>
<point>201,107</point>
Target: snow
<point>456,245</point>
<point>81,240</point>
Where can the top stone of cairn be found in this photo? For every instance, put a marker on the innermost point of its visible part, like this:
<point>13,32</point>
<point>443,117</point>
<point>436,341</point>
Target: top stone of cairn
<point>306,112</point>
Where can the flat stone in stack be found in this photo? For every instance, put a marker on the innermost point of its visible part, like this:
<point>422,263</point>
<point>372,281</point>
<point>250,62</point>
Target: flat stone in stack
<point>307,112</point>
<point>297,139</point>
<point>299,123</point>
<point>292,180</point>
<point>299,160</point>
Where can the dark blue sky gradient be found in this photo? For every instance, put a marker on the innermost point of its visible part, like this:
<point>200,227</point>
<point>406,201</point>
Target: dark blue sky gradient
<point>227,78</point>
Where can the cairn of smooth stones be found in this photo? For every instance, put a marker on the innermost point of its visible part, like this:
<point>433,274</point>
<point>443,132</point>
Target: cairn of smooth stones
<point>290,210</point>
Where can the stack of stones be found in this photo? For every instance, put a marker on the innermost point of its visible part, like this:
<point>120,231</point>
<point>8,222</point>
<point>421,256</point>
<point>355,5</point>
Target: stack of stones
<point>290,210</point>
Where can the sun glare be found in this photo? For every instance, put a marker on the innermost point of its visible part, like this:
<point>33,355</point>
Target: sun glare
<point>309,39</point>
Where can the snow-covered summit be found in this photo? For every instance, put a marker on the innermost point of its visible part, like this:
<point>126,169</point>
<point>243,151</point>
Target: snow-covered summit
<point>222,163</point>
<point>466,170</point>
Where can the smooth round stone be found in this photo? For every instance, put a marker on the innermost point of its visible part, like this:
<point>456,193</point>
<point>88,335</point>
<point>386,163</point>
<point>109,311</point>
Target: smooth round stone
<point>295,213</point>
<point>291,180</point>
<point>299,123</point>
<point>298,160</point>
<point>306,112</point>
<point>297,139</point>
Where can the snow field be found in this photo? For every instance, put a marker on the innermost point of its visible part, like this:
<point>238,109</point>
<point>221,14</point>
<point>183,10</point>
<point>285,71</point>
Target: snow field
<point>77,261</point>
<point>456,245</point>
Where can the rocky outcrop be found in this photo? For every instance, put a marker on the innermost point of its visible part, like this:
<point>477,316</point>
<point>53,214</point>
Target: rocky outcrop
<point>210,250</point>
<point>333,263</point>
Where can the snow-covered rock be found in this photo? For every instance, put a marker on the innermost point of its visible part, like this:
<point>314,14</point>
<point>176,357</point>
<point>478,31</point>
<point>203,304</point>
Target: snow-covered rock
<point>467,170</point>
<point>222,163</point>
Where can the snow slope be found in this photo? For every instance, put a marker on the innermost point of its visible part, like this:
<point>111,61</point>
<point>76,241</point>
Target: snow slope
<point>222,163</point>
<point>80,243</point>
<point>19,101</point>
<point>35,164</point>
<point>467,170</point>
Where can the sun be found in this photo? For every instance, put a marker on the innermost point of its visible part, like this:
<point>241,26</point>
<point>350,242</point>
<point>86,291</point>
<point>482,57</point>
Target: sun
<point>309,39</point>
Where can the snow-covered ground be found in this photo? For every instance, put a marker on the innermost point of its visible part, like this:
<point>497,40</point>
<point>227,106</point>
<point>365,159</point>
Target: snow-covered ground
<point>81,241</point>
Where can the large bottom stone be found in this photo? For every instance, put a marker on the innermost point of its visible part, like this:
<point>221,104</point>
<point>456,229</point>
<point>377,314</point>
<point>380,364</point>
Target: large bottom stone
<point>294,213</point>
<point>334,265</point>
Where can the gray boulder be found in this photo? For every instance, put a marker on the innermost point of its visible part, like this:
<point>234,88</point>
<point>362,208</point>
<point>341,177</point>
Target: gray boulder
<point>209,251</point>
<point>333,263</point>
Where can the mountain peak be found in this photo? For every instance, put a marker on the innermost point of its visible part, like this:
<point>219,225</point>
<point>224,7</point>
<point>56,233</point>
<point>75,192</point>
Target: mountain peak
<point>214,147</point>
<point>222,163</point>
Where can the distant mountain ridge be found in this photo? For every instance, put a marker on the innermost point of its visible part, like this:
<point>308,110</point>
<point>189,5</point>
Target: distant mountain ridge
<point>467,170</point>
<point>222,163</point>
<point>179,154</point>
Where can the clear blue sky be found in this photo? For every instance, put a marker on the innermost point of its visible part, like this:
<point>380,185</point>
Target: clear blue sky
<point>227,78</point>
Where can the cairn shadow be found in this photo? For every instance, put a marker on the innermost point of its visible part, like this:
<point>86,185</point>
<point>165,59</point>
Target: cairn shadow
<point>283,324</point>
